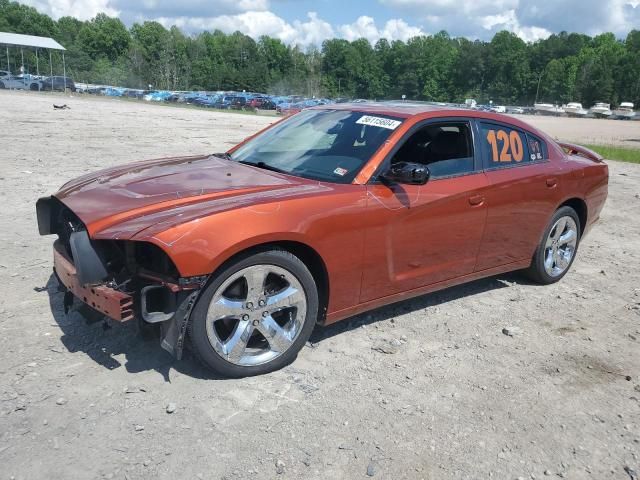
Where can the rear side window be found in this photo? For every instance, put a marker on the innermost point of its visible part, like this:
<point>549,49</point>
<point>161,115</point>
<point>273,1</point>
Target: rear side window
<point>503,146</point>
<point>537,148</point>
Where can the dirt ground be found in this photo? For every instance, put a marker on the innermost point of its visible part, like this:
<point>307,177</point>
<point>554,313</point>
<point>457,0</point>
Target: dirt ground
<point>589,131</point>
<point>457,399</point>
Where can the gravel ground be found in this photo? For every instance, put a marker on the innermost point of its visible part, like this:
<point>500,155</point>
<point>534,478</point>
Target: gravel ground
<point>450,396</point>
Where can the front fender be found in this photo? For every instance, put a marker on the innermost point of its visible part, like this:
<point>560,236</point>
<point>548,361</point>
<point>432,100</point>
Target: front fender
<point>199,247</point>
<point>333,226</point>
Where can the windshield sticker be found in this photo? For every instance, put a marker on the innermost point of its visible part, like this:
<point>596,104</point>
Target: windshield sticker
<point>379,122</point>
<point>341,171</point>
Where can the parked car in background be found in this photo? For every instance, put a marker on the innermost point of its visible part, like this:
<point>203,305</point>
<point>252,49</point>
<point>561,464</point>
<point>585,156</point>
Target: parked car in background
<point>238,103</point>
<point>20,82</point>
<point>267,105</point>
<point>247,251</point>
<point>139,94</point>
<point>223,101</point>
<point>256,101</point>
<point>288,108</point>
<point>58,84</point>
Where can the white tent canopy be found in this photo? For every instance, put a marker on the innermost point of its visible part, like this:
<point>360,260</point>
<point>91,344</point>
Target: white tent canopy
<point>18,40</point>
<point>31,41</point>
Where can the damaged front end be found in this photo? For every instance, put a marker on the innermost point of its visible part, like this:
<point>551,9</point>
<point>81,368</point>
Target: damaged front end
<point>122,279</point>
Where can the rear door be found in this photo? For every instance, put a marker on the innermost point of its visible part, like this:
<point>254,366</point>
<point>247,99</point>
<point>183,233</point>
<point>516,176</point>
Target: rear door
<point>525,191</point>
<point>420,235</point>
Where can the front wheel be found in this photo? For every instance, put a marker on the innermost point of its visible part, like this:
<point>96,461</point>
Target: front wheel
<point>256,314</point>
<point>557,249</point>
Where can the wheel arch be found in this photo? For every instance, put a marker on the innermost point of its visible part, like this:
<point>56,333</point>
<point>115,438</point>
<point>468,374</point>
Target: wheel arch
<point>307,254</point>
<point>580,207</point>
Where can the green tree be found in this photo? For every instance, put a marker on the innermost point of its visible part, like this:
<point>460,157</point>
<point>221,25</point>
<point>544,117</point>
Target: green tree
<point>104,36</point>
<point>508,69</point>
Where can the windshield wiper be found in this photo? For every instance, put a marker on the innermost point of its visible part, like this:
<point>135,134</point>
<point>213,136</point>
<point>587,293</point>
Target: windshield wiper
<point>225,155</point>
<point>265,166</point>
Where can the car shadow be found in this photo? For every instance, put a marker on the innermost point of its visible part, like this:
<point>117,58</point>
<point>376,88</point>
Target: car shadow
<point>419,303</point>
<point>105,341</point>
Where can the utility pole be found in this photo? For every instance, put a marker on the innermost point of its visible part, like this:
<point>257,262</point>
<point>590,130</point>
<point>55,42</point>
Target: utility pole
<point>540,80</point>
<point>538,89</point>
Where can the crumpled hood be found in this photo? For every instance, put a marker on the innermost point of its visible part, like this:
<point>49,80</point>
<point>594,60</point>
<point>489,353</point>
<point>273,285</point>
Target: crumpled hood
<point>142,190</point>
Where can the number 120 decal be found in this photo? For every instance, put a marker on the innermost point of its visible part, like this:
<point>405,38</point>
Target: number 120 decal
<point>505,147</point>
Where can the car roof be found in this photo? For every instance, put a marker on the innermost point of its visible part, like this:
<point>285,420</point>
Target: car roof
<point>425,110</point>
<point>393,109</point>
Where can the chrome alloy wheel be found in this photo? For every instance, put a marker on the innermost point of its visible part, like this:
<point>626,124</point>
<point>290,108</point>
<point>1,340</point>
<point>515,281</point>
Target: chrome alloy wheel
<point>256,315</point>
<point>560,246</point>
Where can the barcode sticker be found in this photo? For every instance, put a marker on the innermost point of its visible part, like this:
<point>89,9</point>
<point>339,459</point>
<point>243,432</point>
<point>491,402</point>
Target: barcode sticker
<point>379,122</point>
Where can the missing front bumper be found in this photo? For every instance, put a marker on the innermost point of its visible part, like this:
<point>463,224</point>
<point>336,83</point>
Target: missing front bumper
<point>112,303</point>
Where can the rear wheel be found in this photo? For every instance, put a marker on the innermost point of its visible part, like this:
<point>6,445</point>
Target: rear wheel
<point>256,315</point>
<point>557,250</point>
<point>2,86</point>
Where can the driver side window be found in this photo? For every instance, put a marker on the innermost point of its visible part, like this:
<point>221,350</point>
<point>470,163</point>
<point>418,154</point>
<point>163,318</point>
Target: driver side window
<point>445,148</point>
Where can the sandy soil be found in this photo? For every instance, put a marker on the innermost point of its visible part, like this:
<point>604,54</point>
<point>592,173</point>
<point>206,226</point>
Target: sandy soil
<point>590,131</point>
<point>457,400</point>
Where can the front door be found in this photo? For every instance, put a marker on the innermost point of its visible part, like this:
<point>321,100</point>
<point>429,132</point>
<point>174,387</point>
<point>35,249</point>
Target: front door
<point>421,235</point>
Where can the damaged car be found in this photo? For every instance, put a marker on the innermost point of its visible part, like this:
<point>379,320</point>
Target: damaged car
<point>326,214</point>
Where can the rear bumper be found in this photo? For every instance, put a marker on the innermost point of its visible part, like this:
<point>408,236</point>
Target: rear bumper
<point>112,303</point>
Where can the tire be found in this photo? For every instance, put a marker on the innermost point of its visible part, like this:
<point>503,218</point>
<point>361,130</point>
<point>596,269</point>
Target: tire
<point>2,86</point>
<point>557,249</point>
<point>255,315</point>
<point>33,87</point>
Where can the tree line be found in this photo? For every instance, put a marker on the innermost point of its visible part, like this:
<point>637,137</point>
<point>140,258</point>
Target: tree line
<point>562,68</point>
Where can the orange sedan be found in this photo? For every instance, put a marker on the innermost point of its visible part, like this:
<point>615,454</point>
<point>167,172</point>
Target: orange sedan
<point>326,214</point>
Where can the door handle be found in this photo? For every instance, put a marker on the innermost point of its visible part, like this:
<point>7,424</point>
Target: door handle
<point>552,182</point>
<point>476,200</point>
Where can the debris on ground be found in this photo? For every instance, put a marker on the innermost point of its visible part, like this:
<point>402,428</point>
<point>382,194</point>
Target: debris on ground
<point>511,331</point>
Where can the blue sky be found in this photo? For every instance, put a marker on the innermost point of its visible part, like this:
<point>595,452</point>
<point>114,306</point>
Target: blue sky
<point>307,22</point>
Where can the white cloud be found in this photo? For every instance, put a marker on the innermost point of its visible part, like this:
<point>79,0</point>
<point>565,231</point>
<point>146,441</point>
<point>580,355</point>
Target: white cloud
<point>509,21</point>
<point>130,11</point>
<point>447,7</point>
<point>530,19</point>
<point>257,23</point>
<point>397,29</point>
<point>82,9</point>
<point>618,16</point>
<point>312,32</point>
<point>365,27</point>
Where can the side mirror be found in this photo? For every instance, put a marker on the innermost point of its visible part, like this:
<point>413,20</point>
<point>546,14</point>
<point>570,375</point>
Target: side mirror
<point>407,173</point>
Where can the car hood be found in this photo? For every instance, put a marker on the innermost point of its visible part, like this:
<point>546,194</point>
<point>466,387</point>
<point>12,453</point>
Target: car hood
<point>136,193</point>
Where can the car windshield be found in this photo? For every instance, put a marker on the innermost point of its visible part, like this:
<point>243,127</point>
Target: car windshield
<point>326,145</point>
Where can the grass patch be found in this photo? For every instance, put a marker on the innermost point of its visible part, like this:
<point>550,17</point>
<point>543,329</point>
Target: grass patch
<point>622,154</point>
